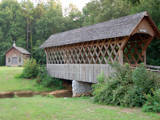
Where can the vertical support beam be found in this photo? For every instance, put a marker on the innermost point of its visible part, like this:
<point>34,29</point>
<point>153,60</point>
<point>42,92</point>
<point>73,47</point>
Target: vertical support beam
<point>148,42</point>
<point>126,39</point>
<point>145,48</point>
<point>144,56</point>
<point>121,56</point>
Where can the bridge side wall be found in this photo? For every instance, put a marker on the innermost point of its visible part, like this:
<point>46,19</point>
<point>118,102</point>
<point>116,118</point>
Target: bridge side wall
<point>79,72</point>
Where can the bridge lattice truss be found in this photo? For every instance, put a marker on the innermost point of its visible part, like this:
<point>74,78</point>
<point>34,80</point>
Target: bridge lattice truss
<point>123,49</point>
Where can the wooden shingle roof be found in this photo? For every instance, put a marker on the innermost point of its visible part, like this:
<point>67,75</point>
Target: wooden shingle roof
<point>120,27</point>
<point>20,49</point>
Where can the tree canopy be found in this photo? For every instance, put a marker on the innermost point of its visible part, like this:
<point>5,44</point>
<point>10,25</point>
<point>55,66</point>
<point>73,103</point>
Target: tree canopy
<point>30,25</point>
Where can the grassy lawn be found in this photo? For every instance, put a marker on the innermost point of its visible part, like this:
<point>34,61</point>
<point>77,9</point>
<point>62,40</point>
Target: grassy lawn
<point>47,108</point>
<point>9,83</point>
<point>44,108</point>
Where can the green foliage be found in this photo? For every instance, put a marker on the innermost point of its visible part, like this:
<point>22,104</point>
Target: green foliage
<point>31,69</point>
<point>153,8</point>
<point>143,81</point>
<point>125,87</point>
<point>112,91</point>
<point>46,81</point>
<point>25,22</point>
<point>101,10</point>
<point>153,102</point>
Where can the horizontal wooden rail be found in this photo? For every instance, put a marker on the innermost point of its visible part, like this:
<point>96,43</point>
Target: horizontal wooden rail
<point>149,68</point>
<point>153,68</point>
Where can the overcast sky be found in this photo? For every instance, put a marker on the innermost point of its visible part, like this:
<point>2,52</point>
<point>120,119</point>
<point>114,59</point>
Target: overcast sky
<point>65,3</point>
<point>79,3</point>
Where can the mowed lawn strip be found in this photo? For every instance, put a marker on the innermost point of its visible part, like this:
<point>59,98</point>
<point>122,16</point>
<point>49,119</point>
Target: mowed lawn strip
<point>9,83</point>
<point>45,108</point>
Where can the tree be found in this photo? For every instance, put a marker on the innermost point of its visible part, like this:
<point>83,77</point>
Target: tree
<point>27,7</point>
<point>101,10</point>
<point>153,8</point>
<point>73,17</point>
<point>11,26</point>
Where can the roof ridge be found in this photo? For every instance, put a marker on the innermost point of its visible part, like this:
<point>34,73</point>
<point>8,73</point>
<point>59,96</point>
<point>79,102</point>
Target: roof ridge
<point>118,27</point>
<point>144,12</point>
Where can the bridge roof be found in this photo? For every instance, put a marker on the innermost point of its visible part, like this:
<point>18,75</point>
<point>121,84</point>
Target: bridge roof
<point>120,27</point>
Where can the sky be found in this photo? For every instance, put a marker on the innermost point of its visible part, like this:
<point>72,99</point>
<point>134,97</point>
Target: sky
<point>79,3</point>
<point>65,3</point>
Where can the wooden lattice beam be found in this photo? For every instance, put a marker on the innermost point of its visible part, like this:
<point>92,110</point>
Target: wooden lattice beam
<point>135,49</point>
<point>94,52</point>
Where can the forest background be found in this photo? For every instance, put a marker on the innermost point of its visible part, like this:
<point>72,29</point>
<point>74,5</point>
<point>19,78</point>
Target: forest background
<point>31,24</point>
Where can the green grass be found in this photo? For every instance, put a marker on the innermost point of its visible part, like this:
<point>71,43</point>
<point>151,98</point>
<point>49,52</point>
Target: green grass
<point>9,83</point>
<point>43,108</point>
<point>47,108</point>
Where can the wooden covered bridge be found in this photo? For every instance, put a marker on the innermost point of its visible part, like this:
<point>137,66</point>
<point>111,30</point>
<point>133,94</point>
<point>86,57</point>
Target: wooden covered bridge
<point>81,54</point>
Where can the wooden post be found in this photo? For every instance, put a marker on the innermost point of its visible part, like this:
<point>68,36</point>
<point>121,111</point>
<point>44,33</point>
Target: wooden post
<point>121,56</point>
<point>144,56</point>
<point>145,48</point>
<point>148,42</point>
<point>125,40</point>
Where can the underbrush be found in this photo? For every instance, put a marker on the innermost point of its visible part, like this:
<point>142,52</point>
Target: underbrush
<point>31,69</point>
<point>44,80</point>
<point>153,102</point>
<point>126,87</point>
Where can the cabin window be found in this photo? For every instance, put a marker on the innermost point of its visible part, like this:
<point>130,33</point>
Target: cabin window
<point>9,60</point>
<point>19,59</point>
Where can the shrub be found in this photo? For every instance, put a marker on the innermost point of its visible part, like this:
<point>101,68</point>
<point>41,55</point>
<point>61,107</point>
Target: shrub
<point>31,69</point>
<point>153,102</point>
<point>46,81</point>
<point>113,90</point>
<point>143,81</point>
<point>125,86</point>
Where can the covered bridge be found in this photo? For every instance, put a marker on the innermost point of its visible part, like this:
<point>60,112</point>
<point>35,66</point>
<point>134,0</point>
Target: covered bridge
<point>81,54</point>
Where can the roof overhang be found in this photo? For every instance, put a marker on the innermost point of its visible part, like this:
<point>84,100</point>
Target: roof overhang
<point>124,26</point>
<point>16,49</point>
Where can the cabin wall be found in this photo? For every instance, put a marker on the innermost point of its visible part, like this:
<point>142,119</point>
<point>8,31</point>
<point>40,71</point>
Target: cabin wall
<point>80,72</point>
<point>15,58</point>
<point>25,57</point>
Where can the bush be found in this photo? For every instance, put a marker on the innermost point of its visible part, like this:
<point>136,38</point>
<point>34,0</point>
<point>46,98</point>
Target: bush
<point>125,86</point>
<point>113,90</point>
<point>31,69</point>
<point>143,81</point>
<point>153,102</point>
<point>46,81</point>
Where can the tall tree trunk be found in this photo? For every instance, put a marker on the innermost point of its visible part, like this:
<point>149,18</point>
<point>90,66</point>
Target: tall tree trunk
<point>31,36</point>
<point>27,34</point>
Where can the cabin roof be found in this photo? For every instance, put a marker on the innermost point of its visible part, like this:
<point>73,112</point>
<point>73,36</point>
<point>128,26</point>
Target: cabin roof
<point>20,49</point>
<point>119,27</point>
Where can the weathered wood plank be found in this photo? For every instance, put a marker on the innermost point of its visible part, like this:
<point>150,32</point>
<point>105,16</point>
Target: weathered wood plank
<point>79,72</point>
